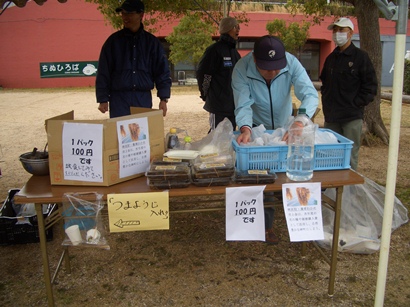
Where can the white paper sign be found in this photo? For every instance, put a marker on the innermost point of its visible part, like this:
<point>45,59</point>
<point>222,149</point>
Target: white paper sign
<point>245,217</point>
<point>133,144</point>
<point>83,152</point>
<point>302,203</point>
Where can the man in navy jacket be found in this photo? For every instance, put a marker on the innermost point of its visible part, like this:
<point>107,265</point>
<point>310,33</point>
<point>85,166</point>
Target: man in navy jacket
<point>131,62</point>
<point>215,71</point>
<point>349,83</point>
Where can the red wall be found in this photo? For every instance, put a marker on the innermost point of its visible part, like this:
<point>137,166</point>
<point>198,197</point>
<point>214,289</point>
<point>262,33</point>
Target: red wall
<point>53,32</point>
<point>75,31</point>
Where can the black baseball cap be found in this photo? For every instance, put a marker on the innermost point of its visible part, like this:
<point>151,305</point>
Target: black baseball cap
<point>131,6</point>
<point>269,53</point>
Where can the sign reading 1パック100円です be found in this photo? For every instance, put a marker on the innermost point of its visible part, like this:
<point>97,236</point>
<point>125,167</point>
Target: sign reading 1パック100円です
<point>83,152</point>
<point>68,69</point>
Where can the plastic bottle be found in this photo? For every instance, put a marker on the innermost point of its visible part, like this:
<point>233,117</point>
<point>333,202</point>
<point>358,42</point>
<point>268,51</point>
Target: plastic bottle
<point>187,143</point>
<point>301,142</point>
<point>171,139</point>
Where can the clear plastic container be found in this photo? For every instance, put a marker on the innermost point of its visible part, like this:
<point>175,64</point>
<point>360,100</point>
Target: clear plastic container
<point>169,184</point>
<point>168,172</point>
<point>210,182</point>
<point>301,148</point>
<point>255,176</point>
<point>166,161</point>
<point>206,170</point>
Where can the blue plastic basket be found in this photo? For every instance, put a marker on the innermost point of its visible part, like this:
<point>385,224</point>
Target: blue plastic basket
<point>327,156</point>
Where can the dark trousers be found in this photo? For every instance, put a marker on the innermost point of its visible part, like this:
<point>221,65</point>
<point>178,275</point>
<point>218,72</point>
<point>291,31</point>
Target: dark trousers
<point>269,215</point>
<point>269,212</point>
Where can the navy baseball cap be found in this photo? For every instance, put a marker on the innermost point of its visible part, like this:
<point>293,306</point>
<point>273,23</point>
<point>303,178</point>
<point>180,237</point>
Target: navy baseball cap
<point>131,6</point>
<point>269,53</point>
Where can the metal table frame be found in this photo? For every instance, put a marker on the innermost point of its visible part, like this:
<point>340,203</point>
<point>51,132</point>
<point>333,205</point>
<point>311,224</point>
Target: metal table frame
<point>38,190</point>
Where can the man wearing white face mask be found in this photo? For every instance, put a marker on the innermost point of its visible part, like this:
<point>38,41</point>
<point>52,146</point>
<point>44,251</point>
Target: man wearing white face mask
<point>349,83</point>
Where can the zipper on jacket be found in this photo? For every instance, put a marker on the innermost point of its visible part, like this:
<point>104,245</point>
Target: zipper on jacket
<point>270,96</point>
<point>270,103</point>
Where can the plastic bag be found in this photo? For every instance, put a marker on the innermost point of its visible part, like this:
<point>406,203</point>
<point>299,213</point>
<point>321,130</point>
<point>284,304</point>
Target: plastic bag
<point>83,222</point>
<point>218,141</point>
<point>263,137</point>
<point>325,137</point>
<point>361,219</point>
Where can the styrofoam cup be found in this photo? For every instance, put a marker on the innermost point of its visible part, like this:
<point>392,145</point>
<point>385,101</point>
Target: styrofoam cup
<point>74,234</point>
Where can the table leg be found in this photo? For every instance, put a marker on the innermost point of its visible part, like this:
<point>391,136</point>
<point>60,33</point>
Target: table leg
<point>304,248</point>
<point>64,257</point>
<point>67,261</point>
<point>335,243</point>
<point>44,255</point>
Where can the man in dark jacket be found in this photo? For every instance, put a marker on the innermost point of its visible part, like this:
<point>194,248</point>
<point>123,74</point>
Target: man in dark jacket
<point>131,62</point>
<point>215,71</point>
<point>349,83</point>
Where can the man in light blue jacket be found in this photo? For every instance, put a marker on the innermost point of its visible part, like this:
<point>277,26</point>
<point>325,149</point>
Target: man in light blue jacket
<point>262,82</point>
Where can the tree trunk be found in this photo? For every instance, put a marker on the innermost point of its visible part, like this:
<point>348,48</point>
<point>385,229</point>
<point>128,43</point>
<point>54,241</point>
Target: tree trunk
<point>368,21</point>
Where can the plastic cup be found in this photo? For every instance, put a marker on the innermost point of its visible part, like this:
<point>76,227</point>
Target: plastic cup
<point>74,234</point>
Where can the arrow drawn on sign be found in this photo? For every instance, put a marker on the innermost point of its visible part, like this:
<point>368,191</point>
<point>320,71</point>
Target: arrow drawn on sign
<point>123,224</point>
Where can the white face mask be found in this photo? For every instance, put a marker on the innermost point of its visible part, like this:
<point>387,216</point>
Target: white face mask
<point>340,38</point>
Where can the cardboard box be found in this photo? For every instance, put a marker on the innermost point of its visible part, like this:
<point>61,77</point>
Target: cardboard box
<point>109,152</point>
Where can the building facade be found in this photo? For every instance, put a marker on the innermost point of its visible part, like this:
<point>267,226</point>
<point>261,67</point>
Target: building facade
<point>58,45</point>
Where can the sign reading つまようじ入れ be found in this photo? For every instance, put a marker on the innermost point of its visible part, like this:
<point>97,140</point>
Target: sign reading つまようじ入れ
<point>92,157</point>
<point>138,211</point>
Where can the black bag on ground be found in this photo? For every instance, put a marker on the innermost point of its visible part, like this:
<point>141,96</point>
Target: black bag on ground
<point>18,223</point>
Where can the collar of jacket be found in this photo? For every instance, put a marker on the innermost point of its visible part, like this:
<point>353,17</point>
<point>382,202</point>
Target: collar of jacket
<point>347,51</point>
<point>227,38</point>
<point>128,32</point>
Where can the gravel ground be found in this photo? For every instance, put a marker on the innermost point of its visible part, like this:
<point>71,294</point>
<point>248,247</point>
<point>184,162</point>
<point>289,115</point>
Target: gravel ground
<point>191,264</point>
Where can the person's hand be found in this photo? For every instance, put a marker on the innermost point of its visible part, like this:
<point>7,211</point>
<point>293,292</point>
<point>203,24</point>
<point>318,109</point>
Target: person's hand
<point>163,106</point>
<point>297,126</point>
<point>103,107</point>
<point>245,135</point>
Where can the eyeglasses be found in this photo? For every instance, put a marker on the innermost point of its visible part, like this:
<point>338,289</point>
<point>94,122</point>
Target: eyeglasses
<point>237,27</point>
